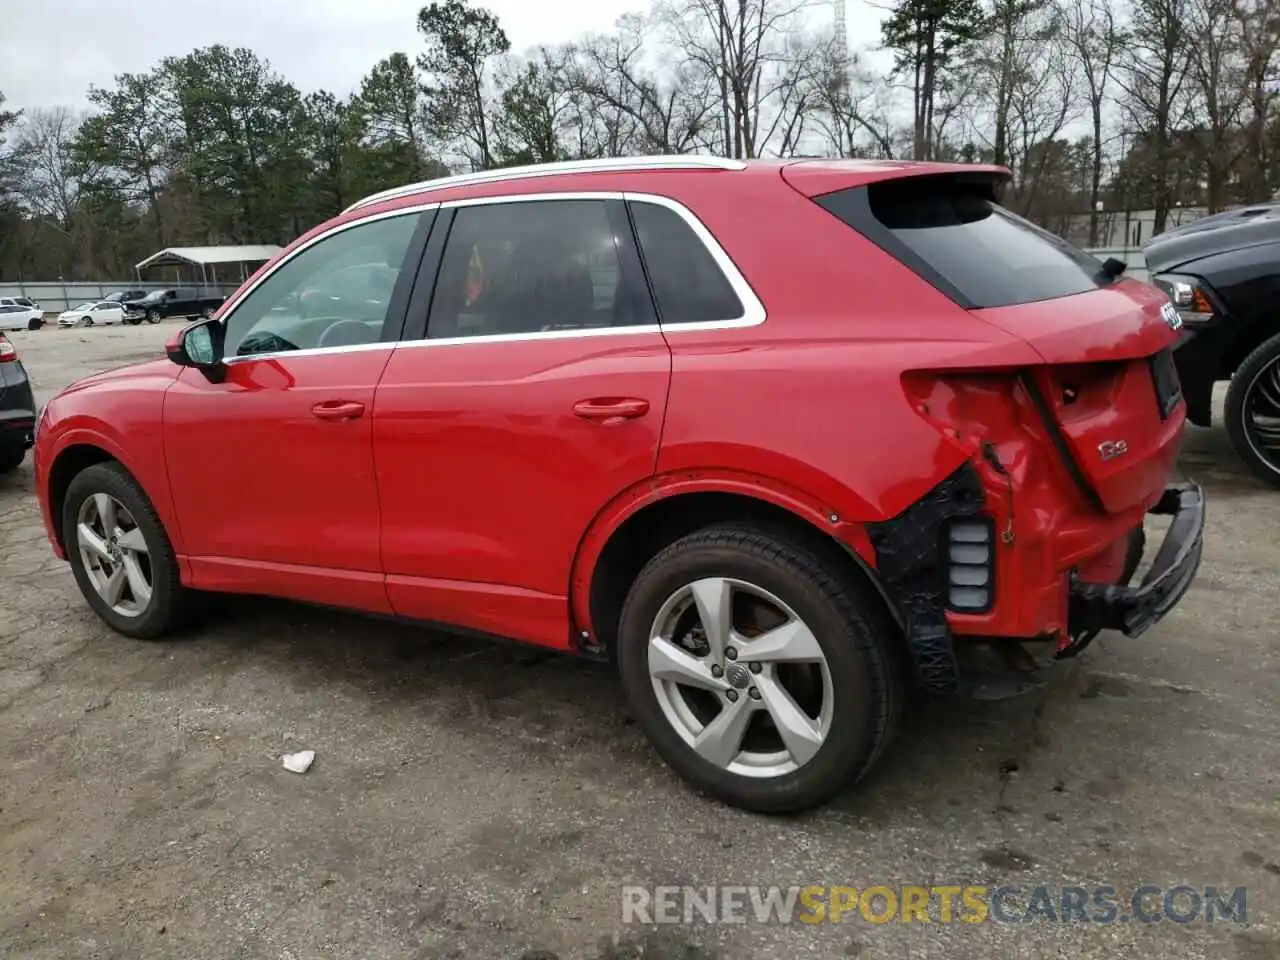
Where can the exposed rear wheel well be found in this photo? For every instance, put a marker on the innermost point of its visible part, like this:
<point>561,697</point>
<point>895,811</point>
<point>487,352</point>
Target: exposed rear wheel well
<point>659,524</point>
<point>64,469</point>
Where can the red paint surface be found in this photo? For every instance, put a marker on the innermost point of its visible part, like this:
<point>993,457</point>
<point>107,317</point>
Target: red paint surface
<point>473,488</point>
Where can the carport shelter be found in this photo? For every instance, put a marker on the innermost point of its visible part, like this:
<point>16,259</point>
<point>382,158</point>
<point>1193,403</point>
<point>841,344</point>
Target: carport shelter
<point>206,260</point>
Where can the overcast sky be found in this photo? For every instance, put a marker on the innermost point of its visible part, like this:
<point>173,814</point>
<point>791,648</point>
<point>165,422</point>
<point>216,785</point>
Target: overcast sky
<point>56,48</point>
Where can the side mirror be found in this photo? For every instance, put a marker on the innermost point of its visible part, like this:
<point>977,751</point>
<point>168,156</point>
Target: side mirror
<point>199,346</point>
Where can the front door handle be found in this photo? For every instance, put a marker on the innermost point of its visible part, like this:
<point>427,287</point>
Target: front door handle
<point>338,410</point>
<point>611,409</point>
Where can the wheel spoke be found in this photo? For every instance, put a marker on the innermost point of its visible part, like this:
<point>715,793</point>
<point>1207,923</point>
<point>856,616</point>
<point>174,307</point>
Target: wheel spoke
<point>114,586</point>
<point>714,599</point>
<point>668,662</point>
<point>138,585</point>
<point>800,734</point>
<point>721,740</point>
<point>106,508</point>
<point>91,541</point>
<point>132,540</point>
<point>792,642</point>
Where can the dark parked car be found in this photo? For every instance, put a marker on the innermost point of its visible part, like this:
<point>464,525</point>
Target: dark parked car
<point>125,296</point>
<point>173,302</point>
<point>17,408</point>
<point>1223,274</point>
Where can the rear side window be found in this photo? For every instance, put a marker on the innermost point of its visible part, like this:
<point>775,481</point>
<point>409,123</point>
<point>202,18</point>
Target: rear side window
<point>534,266</point>
<point>687,282</point>
<point>956,236</point>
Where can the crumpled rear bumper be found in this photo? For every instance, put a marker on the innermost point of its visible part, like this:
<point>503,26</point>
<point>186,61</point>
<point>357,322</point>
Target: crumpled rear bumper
<point>1093,607</point>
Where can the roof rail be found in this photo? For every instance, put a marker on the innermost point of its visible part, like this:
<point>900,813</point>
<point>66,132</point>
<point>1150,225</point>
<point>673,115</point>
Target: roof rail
<point>603,165</point>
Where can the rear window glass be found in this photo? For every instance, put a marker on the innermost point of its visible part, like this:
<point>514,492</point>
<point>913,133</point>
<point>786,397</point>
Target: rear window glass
<point>687,283</point>
<point>986,253</point>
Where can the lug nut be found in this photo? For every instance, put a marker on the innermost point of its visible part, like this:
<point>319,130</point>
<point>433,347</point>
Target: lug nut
<point>755,694</point>
<point>732,695</point>
<point>755,667</point>
<point>731,653</point>
<point>717,671</point>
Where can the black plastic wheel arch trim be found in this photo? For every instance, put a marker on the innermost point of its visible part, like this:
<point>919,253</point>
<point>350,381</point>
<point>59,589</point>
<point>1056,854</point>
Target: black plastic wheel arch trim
<point>911,563</point>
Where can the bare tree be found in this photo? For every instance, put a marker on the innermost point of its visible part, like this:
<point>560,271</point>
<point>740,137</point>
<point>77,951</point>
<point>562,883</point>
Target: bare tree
<point>1217,71</point>
<point>1259,41</point>
<point>853,112</point>
<point>743,44</point>
<point>636,112</point>
<point>1152,72</point>
<point>52,183</point>
<point>1093,40</point>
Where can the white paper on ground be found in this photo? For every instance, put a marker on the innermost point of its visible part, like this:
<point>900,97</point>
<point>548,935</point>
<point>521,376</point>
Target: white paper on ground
<point>299,762</point>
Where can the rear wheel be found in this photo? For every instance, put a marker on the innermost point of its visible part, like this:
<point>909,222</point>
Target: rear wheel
<point>756,670</point>
<point>1253,411</point>
<point>120,554</point>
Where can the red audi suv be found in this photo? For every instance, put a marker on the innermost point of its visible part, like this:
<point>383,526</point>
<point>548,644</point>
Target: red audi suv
<point>780,440</point>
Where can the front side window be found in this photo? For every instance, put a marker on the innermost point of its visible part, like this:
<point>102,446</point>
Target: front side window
<point>687,282</point>
<point>334,293</point>
<point>530,267</point>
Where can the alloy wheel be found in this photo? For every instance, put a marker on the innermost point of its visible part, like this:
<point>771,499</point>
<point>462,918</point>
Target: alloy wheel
<point>740,677</point>
<point>115,554</point>
<point>1260,414</point>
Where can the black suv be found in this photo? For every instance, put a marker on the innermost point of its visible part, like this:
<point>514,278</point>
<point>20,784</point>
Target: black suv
<point>173,302</point>
<point>1223,274</point>
<point>17,408</point>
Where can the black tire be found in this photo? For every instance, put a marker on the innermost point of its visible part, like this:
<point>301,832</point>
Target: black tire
<point>170,602</point>
<point>1244,382</point>
<point>848,619</point>
<point>35,323</point>
<point>85,322</point>
<point>153,316</point>
<point>11,458</point>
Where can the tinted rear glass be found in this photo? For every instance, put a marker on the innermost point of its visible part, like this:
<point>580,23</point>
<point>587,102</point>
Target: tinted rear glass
<point>989,256</point>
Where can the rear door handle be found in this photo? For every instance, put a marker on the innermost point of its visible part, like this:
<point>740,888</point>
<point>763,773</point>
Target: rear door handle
<point>611,409</point>
<point>338,410</point>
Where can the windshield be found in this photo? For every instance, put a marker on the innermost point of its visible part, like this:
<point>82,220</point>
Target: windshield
<point>153,296</point>
<point>84,306</point>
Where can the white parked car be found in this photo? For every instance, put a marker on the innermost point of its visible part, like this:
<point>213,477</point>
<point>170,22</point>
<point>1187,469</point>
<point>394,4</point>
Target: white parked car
<point>15,316</point>
<point>88,314</point>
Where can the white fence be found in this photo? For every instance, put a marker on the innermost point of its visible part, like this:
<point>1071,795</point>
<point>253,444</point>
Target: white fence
<point>54,297</point>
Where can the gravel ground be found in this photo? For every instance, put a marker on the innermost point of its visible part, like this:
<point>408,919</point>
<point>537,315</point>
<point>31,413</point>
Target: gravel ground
<point>481,801</point>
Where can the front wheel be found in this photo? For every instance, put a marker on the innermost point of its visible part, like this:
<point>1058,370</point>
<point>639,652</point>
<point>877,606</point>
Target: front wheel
<point>84,322</point>
<point>35,323</point>
<point>759,672</point>
<point>153,316</point>
<point>1253,412</point>
<point>120,554</point>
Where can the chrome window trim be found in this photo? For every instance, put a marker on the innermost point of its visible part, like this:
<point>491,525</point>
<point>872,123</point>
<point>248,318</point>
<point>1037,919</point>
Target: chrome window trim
<point>753,314</point>
<point>560,168</point>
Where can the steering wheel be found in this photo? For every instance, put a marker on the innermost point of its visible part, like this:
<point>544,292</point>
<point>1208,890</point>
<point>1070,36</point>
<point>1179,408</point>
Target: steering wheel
<point>344,333</point>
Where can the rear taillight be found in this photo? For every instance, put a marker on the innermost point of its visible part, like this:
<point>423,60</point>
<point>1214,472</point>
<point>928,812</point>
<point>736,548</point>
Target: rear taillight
<point>8,351</point>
